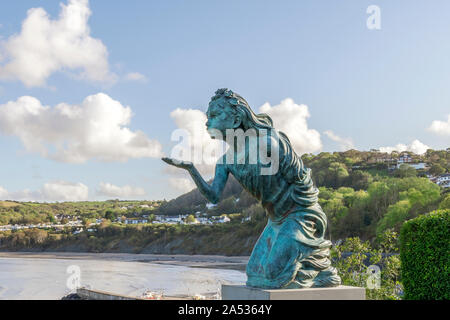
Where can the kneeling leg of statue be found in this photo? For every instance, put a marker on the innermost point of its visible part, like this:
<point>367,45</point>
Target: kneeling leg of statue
<point>284,258</point>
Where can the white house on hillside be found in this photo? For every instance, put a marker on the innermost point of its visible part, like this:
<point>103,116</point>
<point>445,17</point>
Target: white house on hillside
<point>135,221</point>
<point>443,180</point>
<point>223,219</point>
<point>416,166</point>
<point>405,158</point>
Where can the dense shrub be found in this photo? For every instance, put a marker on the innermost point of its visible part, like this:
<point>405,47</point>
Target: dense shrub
<point>425,257</point>
<point>356,262</point>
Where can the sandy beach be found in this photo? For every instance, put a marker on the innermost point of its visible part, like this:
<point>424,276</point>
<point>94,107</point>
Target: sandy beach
<point>193,261</point>
<point>47,276</point>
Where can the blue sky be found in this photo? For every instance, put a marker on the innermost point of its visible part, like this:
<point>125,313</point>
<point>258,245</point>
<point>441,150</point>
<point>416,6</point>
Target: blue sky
<point>361,88</point>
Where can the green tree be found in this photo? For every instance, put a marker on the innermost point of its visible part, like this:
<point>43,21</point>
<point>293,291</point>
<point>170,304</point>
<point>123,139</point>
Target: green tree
<point>380,197</point>
<point>360,180</point>
<point>51,218</point>
<point>351,258</point>
<point>436,170</point>
<point>37,236</point>
<point>85,222</point>
<point>445,203</point>
<point>337,173</point>
<point>256,212</point>
<point>395,216</point>
<point>110,215</point>
<point>325,193</point>
<point>405,171</point>
<point>190,219</point>
<point>414,201</point>
<point>335,209</point>
<point>227,205</point>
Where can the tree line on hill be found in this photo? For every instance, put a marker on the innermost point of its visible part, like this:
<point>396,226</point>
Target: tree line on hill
<point>23,213</point>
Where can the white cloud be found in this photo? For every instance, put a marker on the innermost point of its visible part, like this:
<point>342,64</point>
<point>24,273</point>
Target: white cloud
<point>45,46</point>
<point>135,76</point>
<point>441,127</point>
<point>65,191</point>
<point>182,184</point>
<point>95,129</point>
<point>3,193</point>
<point>128,192</point>
<point>291,119</point>
<point>199,148</point>
<point>344,143</point>
<point>51,191</point>
<point>416,146</point>
<point>204,151</point>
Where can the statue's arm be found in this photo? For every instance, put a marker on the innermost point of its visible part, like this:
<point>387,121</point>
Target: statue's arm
<point>211,192</point>
<point>214,191</point>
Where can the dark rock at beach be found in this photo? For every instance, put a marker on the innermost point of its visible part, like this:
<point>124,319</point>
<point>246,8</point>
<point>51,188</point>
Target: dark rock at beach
<point>72,296</point>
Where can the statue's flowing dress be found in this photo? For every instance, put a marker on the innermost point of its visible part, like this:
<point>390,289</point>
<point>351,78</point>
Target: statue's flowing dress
<point>292,251</point>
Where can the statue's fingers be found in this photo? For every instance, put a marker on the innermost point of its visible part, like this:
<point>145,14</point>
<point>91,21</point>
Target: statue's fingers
<point>168,160</point>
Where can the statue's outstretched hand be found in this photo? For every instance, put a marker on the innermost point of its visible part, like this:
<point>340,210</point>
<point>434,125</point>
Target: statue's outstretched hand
<point>179,164</point>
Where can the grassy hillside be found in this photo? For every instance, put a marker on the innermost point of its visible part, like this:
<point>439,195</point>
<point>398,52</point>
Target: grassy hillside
<point>8,204</point>
<point>234,238</point>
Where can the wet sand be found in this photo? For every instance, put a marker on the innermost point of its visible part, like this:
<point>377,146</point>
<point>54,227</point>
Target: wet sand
<point>36,276</point>
<point>193,261</point>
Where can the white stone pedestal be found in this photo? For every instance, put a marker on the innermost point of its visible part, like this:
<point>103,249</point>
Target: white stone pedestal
<point>240,292</point>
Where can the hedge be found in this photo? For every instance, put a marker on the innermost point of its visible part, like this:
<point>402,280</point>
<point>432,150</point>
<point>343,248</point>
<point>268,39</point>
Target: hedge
<point>425,257</point>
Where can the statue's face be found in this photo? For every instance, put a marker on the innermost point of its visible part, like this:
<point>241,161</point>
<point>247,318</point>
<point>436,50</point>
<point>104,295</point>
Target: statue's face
<point>220,117</point>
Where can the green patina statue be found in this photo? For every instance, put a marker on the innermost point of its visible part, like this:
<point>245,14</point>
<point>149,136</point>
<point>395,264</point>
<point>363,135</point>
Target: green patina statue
<point>292,252</point>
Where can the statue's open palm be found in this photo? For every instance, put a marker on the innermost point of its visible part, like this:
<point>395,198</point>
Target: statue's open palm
<point>178,163</point>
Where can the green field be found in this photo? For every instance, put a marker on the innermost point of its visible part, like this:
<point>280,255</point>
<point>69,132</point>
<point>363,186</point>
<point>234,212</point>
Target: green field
<point>8,204</point>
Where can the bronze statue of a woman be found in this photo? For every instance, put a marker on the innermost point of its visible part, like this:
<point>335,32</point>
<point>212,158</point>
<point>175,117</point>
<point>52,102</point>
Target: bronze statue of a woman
<point>291,252</point>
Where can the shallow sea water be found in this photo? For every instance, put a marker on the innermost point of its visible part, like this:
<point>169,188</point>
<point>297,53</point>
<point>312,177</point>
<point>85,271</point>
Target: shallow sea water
<point>51,279</point>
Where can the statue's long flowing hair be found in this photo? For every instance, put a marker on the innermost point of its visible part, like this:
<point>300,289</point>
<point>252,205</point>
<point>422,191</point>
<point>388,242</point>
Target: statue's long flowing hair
<point>293,171</point>
<point>250,120</point>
